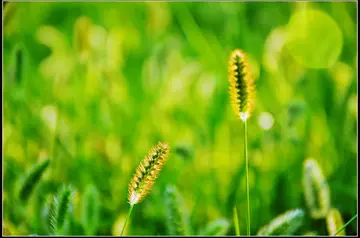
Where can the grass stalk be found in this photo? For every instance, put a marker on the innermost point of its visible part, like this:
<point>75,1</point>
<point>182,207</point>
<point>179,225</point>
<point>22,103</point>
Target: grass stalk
<point>242,89</point>
<point>247,177</point>
<point>126,219</point>
<point>347,223</point>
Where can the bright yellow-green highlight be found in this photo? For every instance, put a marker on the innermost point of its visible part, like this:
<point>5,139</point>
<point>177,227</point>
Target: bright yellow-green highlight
<point>266,121</point>
<point>314,39</point>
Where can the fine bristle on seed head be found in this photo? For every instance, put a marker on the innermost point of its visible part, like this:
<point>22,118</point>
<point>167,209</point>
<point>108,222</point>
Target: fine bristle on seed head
<point>147,172</point>
<point>242,86</point>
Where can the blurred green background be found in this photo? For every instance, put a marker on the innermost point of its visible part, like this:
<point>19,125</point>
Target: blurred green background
<point>93,86</point>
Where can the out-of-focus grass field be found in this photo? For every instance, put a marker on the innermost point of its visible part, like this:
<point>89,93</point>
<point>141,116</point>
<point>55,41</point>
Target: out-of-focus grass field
<point>93,86</point>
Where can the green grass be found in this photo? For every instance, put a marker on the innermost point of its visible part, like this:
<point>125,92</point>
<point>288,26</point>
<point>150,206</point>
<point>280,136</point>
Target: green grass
<point>157,71</point>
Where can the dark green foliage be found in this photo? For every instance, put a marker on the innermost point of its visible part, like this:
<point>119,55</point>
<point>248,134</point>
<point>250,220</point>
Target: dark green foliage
<point>233,188</point>
<point>177,217</point>
<point>296,110</point>
<point>90,210</point>
<point>31,179</point>
<point>183,152</point>
<point>75,227</point>
<point>17,70</point>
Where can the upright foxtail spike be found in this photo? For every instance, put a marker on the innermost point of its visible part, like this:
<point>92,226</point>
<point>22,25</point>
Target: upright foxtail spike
<point>242,86</point>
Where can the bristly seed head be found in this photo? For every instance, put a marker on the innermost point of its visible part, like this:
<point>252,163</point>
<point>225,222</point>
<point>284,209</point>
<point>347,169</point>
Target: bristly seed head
<point>334,222</point>
<point>241,85</point>
<point>316,189</point>
<point>285,224</point>
<point>147,172</point>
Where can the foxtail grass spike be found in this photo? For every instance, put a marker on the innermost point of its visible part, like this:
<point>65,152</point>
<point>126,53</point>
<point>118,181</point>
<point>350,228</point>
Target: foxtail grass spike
<point>46,214</point>
<point>90,210</point>
<point>242,86</point>
<point>285,224</point>
<point>145,175</point>
<point>334,222</point>
<point>316,189</point>
<point>147,172</point>
<point>242,90</point>
<point>176,213</point>
<point>60,209</point>
<point>31,179</point>
<point>218,227</point>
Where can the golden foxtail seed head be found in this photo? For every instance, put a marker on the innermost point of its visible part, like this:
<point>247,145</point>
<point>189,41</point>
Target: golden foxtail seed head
<point>147,172</point>
<point>242,86</point>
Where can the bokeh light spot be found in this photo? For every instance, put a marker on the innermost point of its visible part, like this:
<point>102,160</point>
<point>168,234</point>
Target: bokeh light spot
<point>266,121</point>
<point>314,39</point>
<point>49,115</point>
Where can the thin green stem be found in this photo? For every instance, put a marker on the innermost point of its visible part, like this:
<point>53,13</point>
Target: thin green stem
<point>54,162</point>
<point>127,217</point>
<point>347,223</point>
<point>247,178</point>
<point>236,222</point>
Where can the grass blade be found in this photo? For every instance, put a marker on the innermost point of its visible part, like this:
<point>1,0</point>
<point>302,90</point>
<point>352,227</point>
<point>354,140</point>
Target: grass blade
<point>176,212</point>
<point>347,223</point>
<point>236,222</point>
<point>31,179</point>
